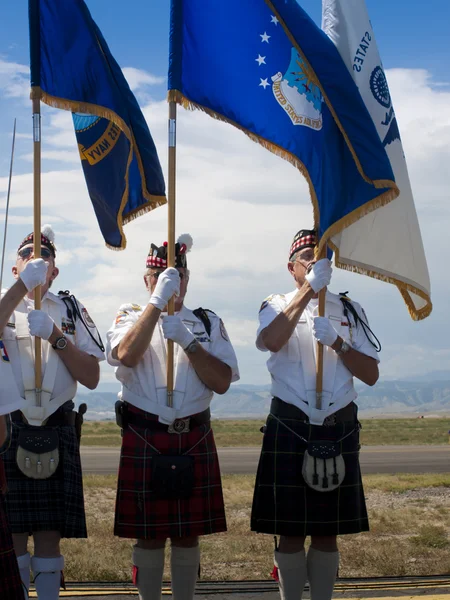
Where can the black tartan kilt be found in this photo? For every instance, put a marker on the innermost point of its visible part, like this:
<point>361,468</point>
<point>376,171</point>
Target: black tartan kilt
<point>53,504</point>
<point>283,504</point>
<point>10,583</point>
<point>140,515</point>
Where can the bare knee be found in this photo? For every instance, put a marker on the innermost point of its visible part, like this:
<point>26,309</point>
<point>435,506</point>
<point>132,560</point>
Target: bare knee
<point>151,544</point>
<point>20,541</point>
<point>324,543</point>
<point>291,545</point>
<point>46,544</point>
<point>188,542</point>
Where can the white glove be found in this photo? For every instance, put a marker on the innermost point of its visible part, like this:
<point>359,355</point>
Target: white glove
<point>324,332</point>
<point>174,329</point>
<point>34,274</point>
<point>168,285</point>
<point>40,324</point>
<point>320,275</point>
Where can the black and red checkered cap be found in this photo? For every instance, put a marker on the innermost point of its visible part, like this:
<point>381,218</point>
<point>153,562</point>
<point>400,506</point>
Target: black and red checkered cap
<point>305,238</point>
<point>157,256</point>
<point>47,239</point>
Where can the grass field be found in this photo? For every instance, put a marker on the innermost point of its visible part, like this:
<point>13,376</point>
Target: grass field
<point>247,432</point>
<point>410,527</point>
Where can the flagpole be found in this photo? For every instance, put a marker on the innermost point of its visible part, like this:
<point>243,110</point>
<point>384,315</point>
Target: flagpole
<point>319,365</point>
<point>171,236</point>
<point>7,204</point>
<point>36,100</point>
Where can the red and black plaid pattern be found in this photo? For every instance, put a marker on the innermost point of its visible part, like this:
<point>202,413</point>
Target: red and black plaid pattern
<point>156,262</point>
<point>10,583</point>
<point>283,504</point>
<point>140,515</point>
<point>157,256</point>
<point>305,238</point>
<point>44,242</point>
<point>53,504</point>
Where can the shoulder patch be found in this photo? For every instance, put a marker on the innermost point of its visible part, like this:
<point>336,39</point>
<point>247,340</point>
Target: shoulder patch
<point>87,318</point>
<point>223,331</point>
<point>210,311</point>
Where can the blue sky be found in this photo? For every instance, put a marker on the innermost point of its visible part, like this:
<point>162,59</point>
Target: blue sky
<point>414,44</point>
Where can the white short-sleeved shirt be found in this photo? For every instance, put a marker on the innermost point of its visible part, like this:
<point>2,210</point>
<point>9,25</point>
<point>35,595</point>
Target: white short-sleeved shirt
<point>78,335</point>
<point>293,368</point>
<point>145,385</point>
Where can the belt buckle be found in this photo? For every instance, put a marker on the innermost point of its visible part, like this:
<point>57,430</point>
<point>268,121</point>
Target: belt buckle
<point>330,421</point>
<point>179,426</point>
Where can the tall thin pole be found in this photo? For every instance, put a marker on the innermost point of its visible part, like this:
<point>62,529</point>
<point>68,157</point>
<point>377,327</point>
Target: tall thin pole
<point>171,236</point>
<point>7,204</point>
<point>319,365</point>
<point>37,229</point>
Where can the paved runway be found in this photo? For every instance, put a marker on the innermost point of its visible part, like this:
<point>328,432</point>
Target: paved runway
<point>374,459</point>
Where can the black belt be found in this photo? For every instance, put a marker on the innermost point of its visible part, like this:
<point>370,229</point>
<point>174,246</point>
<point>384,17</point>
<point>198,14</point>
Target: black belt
<point>149,421</point>
<point>284,410</point>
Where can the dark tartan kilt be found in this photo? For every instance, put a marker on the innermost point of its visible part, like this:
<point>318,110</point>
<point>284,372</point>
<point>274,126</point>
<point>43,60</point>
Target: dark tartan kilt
<point>10,583</point>
<point>53,504</point>
<point>283,504</point>
<point>140,515</point>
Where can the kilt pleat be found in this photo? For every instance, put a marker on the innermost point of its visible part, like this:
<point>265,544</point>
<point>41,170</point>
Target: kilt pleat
<point>283,504</point>
<point>53,504</point>
<point>10,583</point>
<point>140,515</point>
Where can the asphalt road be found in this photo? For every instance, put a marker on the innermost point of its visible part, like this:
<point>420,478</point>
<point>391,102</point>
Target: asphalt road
<point>374,459</point>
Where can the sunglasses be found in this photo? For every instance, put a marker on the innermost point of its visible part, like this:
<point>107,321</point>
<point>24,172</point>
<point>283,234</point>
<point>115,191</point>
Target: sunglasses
<point>27,252</point>
<point>158,273</point>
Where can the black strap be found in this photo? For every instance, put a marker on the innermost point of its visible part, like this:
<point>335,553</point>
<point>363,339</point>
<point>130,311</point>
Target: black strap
<point>202,314</point>
<point>348,307</point>
<point>74,313</point>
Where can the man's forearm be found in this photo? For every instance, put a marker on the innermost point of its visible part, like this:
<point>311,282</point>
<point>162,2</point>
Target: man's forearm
<point>83,367</point>
<point>277,333</point>
<point>10,301</point>
<point>133,346</point>
<point>361,366</point>
<point>214,373</point>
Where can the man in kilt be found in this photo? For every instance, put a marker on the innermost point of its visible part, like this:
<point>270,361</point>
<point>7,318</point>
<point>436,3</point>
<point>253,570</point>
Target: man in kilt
<point>308,481</point>
<point>43,468</point>
<point>169,483</point>
<point>10,583</point>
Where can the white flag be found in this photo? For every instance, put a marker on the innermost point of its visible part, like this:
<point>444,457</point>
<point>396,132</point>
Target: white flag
<point>386,243</point>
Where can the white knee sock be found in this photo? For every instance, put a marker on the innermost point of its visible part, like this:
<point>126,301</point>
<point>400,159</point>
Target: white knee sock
<point>150,568</point>
<point>322,572</point>
<point>24,567</point>
<point>184,565</point>
<point>291,573</point>
<point>47,576</point>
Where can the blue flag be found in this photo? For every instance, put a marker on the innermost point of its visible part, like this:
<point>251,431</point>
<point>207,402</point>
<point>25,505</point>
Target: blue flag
<point>73,69</point>
<point>265,67</point>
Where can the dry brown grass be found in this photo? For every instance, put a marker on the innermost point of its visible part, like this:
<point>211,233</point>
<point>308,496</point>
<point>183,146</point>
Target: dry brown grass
<point>410,533</point>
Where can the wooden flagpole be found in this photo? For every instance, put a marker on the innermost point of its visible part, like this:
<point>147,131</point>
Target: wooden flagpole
<point>37,229</point>
<point>171,192</point>
<point>319,364</point>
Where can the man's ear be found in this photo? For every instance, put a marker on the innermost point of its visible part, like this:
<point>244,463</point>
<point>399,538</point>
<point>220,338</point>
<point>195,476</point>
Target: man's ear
<point>55,273</point>
<point>146,282</point>
<point>15,272</point>
<point>290,267</point>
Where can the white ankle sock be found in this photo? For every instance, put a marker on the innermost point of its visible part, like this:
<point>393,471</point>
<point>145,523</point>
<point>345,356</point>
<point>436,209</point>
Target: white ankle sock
<point>322,572</point>
<point>150,566</point>
<point>291,573</point>
<point>24,567</point>
<point>184,565</point>
<point>47,576</point>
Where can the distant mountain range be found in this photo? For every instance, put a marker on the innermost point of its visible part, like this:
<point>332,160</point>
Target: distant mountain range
<point>403,398</point>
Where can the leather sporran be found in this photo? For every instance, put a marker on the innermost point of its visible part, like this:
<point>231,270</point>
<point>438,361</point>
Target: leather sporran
<point>323,465</point>
<point>172,476</point>
<point>37,453</point>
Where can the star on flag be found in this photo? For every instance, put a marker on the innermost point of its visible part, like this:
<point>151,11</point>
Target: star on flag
<point>261,60</point>
<point>274,20</point>
<point>264,83</point>
<point>264,37</point>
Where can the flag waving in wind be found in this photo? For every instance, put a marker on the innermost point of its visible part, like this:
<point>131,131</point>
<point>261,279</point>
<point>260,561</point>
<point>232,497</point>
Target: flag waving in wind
<point>73,69</point>
<point>266,68</point>
<point>386,243</point>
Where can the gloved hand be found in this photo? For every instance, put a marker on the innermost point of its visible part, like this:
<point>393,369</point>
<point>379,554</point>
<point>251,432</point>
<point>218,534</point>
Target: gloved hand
<point>34,274</point>
<point>320,275</point>
<point>40,324</point>
<point>174,329</point>
<point>324,332</point>
<point>168,285</point>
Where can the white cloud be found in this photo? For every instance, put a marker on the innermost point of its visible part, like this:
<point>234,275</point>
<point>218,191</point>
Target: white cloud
<point>137,78</point>
<point>14,79</point>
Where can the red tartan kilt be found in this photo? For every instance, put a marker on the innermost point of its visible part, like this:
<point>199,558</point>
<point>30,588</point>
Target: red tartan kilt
<point>10,583</point>
<point>140,515</point>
